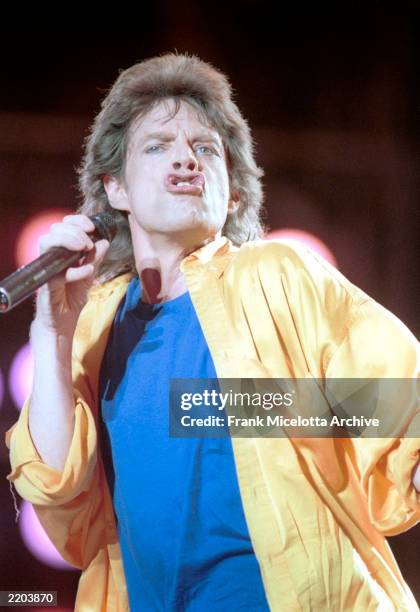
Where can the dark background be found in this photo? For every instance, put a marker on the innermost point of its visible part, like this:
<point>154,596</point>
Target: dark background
<point>332,95</point>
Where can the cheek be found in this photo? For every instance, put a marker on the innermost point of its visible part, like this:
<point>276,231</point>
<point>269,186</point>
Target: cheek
<point>225,191</point>
<point>221,185</point>
<point>143,187</point>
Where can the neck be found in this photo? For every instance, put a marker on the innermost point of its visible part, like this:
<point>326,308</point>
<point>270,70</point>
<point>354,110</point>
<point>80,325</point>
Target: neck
<point>158,258</point>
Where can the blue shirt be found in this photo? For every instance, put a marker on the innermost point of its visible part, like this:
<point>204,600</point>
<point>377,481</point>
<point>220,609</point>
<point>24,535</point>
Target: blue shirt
<point>182,531</point>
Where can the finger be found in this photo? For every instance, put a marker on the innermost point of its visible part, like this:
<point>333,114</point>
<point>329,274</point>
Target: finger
<point>71,238</point>
<point>76,274</point>
<point>58,229</point>
<point>96,255</point>
<point>81,221</point>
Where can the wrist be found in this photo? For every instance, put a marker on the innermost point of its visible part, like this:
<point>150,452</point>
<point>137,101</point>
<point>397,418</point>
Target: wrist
<point>45,335</point>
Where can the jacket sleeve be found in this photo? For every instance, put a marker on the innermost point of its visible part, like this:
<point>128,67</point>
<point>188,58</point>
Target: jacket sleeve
<point>379,347</point>
<point>40,483</point>
<point>68,503</point>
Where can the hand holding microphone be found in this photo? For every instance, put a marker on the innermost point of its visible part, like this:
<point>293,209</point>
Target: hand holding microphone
<point>64,288</point>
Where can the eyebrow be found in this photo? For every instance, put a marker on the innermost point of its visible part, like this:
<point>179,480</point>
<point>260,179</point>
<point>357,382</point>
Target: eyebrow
<point>167,137</point>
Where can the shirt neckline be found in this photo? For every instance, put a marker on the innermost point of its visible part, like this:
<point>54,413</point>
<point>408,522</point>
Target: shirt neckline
<point>136,305</point>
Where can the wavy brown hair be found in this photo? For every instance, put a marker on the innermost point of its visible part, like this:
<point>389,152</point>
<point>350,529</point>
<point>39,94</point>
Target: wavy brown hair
<point>135,92</point>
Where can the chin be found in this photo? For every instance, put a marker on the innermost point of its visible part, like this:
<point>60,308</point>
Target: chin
<point>193,220</point>
<point>195,232</point>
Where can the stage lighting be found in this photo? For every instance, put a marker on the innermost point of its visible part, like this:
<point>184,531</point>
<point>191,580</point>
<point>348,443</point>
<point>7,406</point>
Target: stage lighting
<point>310,240</point>
<point>27,248</point>
<point>37,541</point>
<point>20,375</point>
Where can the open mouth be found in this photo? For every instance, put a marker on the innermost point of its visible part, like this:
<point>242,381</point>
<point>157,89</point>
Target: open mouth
<point>186,183</point>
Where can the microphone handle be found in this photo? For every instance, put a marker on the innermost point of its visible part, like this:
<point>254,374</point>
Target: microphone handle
<point>27,279</point>
<point>18,286</point>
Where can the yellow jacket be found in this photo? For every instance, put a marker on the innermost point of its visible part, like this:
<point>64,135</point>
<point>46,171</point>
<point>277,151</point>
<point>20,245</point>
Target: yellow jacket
<point>318,509</point>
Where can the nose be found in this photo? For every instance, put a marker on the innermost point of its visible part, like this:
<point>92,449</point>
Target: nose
<point>186,159</point>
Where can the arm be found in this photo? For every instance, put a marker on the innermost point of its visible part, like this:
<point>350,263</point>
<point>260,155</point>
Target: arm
<point>379,346</point>
<point>53,445</point>
<point>52,396</point>
<point>350,336</point>
<point>58,307</point>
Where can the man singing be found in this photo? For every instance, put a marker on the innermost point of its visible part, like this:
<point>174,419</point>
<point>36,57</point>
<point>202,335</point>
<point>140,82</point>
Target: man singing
<point>188,290</point>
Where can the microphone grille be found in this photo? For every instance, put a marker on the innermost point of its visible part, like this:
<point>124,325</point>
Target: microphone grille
<point>105,224</point>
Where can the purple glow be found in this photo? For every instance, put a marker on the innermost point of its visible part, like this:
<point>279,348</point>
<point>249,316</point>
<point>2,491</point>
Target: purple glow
<point>20,375</point>
<point>37,541</point>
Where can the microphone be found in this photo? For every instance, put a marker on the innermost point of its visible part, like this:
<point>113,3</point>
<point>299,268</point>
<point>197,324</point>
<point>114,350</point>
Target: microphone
<point>18,286</point>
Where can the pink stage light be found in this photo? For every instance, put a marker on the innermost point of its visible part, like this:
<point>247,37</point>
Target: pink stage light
<point>27,248</point>
<point>37,541</point>
<point>20,375</point>
<point>310,240</point>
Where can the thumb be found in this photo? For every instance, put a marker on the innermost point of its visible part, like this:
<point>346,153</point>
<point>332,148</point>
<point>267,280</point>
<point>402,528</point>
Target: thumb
<point>97,254</point>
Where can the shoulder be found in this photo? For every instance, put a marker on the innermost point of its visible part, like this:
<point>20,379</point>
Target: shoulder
<point>98,313</point>
<point>102,290</point>
<point>298,269</point>
<point>294,279</point>
<point>104,297</point>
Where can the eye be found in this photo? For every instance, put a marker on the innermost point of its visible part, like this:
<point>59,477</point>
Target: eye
<point>153,149</point>
<point>206,150</point>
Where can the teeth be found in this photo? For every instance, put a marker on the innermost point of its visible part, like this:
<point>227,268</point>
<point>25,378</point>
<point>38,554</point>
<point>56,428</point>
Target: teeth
<point>183,183</point>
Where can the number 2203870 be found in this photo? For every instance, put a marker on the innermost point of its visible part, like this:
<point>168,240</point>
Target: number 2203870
<point>28,598</point>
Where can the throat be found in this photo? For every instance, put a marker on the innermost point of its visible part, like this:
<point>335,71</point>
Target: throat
<point>151,283</point>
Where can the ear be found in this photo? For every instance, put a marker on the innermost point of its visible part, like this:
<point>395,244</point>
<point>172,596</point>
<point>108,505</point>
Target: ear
<point>116,193</point>
<point>234,202</point>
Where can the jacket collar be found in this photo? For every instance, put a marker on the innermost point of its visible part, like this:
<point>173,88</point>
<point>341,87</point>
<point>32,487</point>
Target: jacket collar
<point>214,255</point>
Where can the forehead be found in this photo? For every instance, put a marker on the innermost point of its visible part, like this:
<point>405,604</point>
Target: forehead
<point>161,116</point>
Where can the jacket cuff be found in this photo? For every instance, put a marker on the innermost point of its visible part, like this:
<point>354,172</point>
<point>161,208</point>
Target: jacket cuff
<point>40,483</point>
<point>403,463</point>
